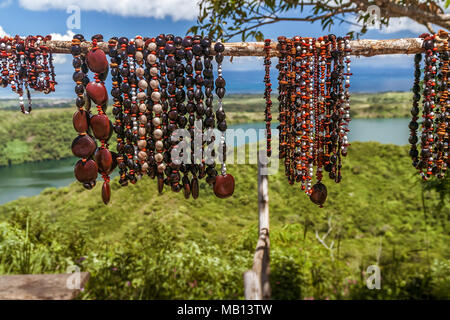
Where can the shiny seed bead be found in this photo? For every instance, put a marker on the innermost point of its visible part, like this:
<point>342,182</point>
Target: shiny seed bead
<point>142,107</point>
<point>159,157</point>
<point>140,72</point>
<point>142,155</point>
<point>157,108</point>
<point>151,59</point>
<point>156,96</point>
<point>156,121</point>
<point>142,131</point>
<point>139,56</point>
<point>141,95</point>
<point>154,84</point>
<point>142,144</point>
<point>153,71</point>
<point>139,43</point>
<point>159,145</point>
<point>161,167</point>
<point>143,84</point>
<point>157,133</point>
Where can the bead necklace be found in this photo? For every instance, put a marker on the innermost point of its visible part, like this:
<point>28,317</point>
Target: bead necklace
<point>160,110</point>
<point>83,146</point>
<point>209,112</point>
<point>267,92</point>
<point>433,157</point>
<point>441,123</point>
<point>100,124</point>
<point>141,107</point>
<point>413,125</point>
<point>190,108</point>
<point>153,118</point>
<point>175,71</point>
<point>314,109</point>
<point>118,109</point>
<point>224,183</point>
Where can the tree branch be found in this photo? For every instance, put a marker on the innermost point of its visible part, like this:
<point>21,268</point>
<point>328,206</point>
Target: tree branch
<point>364,47</point>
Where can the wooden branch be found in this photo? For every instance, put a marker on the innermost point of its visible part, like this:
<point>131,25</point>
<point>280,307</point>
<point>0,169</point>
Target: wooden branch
<point>364,47</point>
<point>256,281</point>
<point>39,286</point>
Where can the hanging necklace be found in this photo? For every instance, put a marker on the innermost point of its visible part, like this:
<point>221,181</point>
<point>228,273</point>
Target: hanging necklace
<point>83,146</point>
<point>224,184</point>
<point>267,92</point>
<point>118,109</point>
<point>100,124</point>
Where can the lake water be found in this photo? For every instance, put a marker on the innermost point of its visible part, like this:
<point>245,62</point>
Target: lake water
<point>31,178</point>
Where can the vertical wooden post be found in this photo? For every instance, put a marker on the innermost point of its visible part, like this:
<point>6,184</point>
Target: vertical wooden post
<point>256,281</point>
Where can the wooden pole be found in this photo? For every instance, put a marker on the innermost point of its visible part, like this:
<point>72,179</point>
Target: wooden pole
<point>256,280</point>
<point>363,47</point>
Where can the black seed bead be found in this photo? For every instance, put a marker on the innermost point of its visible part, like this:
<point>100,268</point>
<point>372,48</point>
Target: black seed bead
<point>219,58</point>
<point>220,92</point>
<point>219,47</point>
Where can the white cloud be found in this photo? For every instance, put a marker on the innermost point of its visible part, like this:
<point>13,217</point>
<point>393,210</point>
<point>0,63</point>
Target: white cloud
<point>2,32</point>
<point>176,9</point>
<point>59,59</point>
<point>403,24</point>
<point>63,37</point>
<point>395,25</point>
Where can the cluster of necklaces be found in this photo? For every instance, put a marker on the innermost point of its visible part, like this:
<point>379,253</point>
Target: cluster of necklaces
<point>314,109</point>
<point>159,85</point>
<point>26,63</point>
<point>432,160</point>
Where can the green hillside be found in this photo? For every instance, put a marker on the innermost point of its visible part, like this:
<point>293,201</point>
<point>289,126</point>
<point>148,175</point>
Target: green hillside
<point>149,246</point>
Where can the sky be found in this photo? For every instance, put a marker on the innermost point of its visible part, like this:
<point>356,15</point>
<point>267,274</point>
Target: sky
<point>152,17</point>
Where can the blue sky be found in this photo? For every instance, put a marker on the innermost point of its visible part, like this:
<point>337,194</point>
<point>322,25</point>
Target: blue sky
<point>149,18</point>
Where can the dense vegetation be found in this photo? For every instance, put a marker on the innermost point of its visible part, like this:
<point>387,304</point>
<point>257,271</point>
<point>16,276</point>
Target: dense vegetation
<point>47,133</point>
<point>149,246</point>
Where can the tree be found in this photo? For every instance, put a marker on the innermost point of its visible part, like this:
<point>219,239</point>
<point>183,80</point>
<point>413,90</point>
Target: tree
<point>224,19</point>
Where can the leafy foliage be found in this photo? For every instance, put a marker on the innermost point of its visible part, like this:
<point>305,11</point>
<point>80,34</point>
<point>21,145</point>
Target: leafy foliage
<point>225,19</point>
<point>166,247</point>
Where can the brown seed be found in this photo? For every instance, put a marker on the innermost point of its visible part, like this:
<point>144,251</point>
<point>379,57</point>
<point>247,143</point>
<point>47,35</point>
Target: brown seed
<point>194,187</point>
<point>106,192</point>
<point>96,61</point>
<point>97,92</point>
<point>83,146</point>
<point>101,126</point>
<point>319,194</point>
<point>186,187</point>
<point>80,121</point>
<point>86,172</point>
<point>160,184</point>
<point>224,186</point>
<point>104,160</point>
